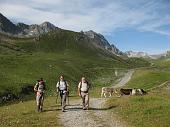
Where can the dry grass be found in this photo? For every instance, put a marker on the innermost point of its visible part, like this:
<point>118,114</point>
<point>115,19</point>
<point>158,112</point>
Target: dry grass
<point>25,115</point>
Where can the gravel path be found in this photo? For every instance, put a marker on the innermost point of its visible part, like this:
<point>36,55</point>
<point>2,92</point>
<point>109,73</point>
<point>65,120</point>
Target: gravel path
<point>125,79</point>
<point>97,116</point>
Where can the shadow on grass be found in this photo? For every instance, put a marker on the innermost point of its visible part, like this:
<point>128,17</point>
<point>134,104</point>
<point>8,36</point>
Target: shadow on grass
<point>100,109</point>
<point>50,110</point>
<point>35,112</point>
<point>57,105</point>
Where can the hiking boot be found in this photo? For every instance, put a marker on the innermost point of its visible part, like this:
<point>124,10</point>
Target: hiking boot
<point>84,108</point>
<point>41,109</point>
<point>63,110</point>
<point>38,108</point>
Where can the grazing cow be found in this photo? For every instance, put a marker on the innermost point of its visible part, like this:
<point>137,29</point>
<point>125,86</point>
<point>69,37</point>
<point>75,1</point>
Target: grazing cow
<point>138,92</point>
<point>126,91</point>
<point>108,90</point>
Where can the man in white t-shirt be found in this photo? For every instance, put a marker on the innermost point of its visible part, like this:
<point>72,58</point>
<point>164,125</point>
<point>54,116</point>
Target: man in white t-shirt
<point>83,92</point>
<point>62,87</point>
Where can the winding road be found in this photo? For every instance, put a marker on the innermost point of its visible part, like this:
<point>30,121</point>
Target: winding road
<point>97,116</point>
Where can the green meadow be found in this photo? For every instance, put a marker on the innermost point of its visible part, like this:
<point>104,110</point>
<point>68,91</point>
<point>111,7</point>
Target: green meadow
<point>24,60</point>
<point>151,110</point>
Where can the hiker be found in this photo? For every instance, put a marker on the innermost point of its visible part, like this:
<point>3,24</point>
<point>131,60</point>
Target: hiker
<point>62,89</point>
<point>39,88</point>
<point>83,92</point>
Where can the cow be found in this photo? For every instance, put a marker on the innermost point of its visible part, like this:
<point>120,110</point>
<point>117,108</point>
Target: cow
<point>108,90</point>
<point>126,91</point>
<point>132,92</point>
<point>138,92</point>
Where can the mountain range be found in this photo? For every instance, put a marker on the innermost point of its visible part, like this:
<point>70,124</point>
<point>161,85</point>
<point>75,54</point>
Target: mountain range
<point>34,30</point>
<point>28,52</point>
<point>97,39</point>
<point>146,55</point>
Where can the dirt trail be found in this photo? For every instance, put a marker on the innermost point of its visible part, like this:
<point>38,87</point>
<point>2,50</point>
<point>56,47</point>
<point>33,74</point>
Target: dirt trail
<point>125,79</point>
<point>97,116</point>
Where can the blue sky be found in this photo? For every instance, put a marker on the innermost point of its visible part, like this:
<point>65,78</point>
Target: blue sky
<point>138,25</point>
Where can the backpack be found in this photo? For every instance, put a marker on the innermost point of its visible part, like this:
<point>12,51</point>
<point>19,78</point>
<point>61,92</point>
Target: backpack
<point>64,83</point>
<point>38,85</point>
<point>87,85</point>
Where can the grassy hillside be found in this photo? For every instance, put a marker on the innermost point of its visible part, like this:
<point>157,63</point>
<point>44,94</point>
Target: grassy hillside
<point>24,60</point>
<point>148,78</point>
<point>151,110</point>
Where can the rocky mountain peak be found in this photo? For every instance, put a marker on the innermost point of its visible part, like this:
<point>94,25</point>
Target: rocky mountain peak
<point>7,26</point>
<point>90,33</point>
<point>101,42</point>
<point>97,39</point>
<point>23,29</point>
<point>137,54</point>
<point>47,25</point>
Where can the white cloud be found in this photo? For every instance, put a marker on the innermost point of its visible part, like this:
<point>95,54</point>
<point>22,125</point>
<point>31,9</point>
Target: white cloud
<point>101,16</point>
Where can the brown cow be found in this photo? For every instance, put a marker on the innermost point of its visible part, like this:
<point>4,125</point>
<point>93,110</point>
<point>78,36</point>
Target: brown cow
<point>108,90</point>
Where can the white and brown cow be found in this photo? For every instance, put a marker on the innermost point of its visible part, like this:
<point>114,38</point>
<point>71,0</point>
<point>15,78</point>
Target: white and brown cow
<point>108,90</point>
<point>138,92</point>
<point>132,92</point>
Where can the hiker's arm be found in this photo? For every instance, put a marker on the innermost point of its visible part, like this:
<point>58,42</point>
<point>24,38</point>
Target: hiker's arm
<point>44,86</point>
<point>35,87</point>
<point>67,86</point>
<point>78,90</point>
<point>57,87</point>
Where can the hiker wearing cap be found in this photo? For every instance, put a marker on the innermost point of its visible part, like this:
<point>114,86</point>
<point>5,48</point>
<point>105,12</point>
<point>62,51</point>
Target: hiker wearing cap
<point>39,88</point>
<point>62,88</point>
<point>83,92</point>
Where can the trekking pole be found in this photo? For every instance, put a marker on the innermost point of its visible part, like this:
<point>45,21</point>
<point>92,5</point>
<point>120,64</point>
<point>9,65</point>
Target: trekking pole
<point>57,97</point>
<point>68,97</point>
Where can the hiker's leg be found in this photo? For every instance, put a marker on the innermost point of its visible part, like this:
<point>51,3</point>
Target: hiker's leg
<point>68,98</point>
<point>41,103</point>
<point>110,94</point>
<point>38,103</point>
<point>83,99</point>
<point>87,100</point>
<point>61,97</point>
<point>64,101</point>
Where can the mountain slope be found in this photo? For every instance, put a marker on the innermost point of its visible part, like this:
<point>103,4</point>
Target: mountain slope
<point>22,29</point>
<point>55,51</point>
<point>100,41</point>
<point>132,54</point>
<point>24,60</point>
<point>34,30</point>
<point>7,26</point>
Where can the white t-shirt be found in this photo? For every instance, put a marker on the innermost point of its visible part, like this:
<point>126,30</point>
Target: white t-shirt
<point>62,85</point>
<point>84,86</point>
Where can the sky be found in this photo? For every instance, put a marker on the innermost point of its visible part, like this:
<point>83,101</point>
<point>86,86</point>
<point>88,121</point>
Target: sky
<point>137,25</point>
